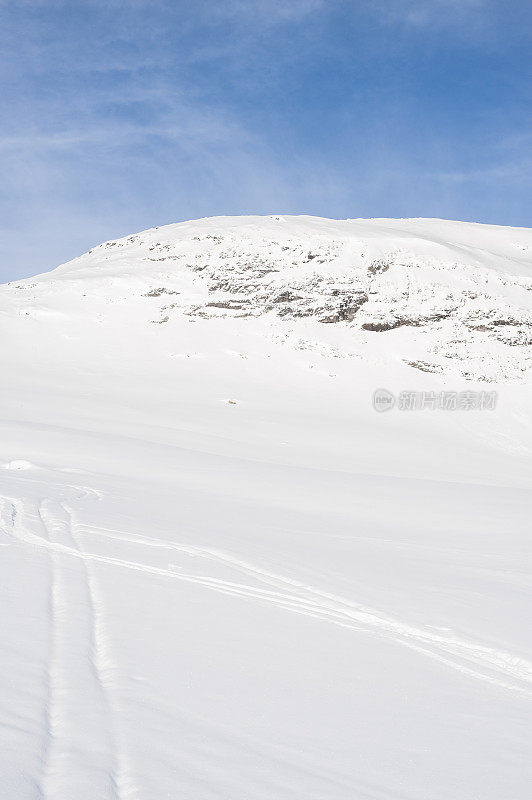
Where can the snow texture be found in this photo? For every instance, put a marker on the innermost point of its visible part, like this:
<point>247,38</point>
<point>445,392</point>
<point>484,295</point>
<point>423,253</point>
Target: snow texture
<point>223,574</point>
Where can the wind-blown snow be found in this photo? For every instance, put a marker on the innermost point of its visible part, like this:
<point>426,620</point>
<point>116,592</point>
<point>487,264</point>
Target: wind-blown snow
<point>223,574</point>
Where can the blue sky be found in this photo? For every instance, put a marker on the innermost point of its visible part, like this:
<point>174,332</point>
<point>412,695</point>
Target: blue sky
<point>118,116</point>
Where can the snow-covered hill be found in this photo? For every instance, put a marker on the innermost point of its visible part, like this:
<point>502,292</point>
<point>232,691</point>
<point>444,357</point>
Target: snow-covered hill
<point>223,574</point>
<point>457,296</point>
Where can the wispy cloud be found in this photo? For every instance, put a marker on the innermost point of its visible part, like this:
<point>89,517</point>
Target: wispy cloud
<point>271,11</point>
<point>423,13</point>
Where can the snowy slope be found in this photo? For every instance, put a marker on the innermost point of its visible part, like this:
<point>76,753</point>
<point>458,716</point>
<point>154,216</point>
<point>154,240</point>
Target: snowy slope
<point>223,574</point>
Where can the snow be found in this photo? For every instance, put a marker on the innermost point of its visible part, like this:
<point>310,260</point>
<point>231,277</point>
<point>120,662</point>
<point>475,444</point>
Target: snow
<point>223,574</point>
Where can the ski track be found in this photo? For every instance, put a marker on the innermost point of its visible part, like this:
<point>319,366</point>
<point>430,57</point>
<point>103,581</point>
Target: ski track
<point>475,660</point>
<point>339,610</point>
<point>81,756</point>
<point>106,670</point>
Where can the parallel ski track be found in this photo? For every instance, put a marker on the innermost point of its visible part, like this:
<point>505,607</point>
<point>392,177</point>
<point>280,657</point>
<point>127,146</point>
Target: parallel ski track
<point>81,752</point>
<point>478,661</point>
